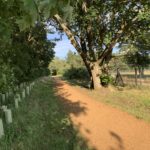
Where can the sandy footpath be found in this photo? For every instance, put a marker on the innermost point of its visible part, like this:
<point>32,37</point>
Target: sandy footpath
<point>104,127</point>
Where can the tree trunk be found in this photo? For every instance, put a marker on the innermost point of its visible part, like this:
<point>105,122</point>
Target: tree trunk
<point>93,68</point>
<point>95,71</point>
<point>142,72</point>
<point>69,34</point>
<point>139,70</point>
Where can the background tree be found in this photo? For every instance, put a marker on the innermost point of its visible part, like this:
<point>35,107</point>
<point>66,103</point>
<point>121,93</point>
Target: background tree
<point>24,55</point>
<point>118,62</point>
<point>98,25</point>
<point>74,60</point>
<point>59,65</point>
<point>76,68</point>
<point>137,53</point>
<point>37,50</point>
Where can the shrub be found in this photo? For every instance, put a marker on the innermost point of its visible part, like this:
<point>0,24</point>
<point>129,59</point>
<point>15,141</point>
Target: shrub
<point>7,78</point>
<point>106,79</point>
<point>76,73</point>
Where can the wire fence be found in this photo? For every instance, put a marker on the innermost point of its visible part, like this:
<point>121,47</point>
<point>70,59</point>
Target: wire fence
<point>130,78</point>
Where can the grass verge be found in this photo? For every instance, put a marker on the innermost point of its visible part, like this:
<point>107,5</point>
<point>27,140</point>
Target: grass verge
<point>134,100</point>
<point>41,124</point>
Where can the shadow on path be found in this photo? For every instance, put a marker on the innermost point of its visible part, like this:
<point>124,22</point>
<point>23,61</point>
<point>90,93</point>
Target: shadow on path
<point>77,108</point>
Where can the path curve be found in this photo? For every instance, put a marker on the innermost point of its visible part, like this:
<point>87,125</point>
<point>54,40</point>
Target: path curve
<point>104,127</point>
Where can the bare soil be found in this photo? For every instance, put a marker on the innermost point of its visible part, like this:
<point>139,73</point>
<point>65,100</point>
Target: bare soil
<point>103,127</point>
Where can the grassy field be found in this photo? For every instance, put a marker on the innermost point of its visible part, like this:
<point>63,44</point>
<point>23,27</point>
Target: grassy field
<point>129,78</point>
<point>134,100</point>
<point>40,123</point>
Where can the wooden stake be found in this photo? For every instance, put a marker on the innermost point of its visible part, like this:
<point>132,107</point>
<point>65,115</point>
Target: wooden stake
<point>119,80</point>
<point>1,128</point>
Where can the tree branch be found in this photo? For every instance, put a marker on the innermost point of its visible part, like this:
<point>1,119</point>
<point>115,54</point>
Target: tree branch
<point>109,47</point>
<point>68,33</point>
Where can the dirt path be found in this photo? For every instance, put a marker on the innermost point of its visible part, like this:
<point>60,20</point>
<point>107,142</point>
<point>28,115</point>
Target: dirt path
<point>104,127</point>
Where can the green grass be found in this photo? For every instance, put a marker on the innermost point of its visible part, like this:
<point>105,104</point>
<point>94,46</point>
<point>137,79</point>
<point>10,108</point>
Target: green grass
<point>41,124</point>
<point>134,100</point>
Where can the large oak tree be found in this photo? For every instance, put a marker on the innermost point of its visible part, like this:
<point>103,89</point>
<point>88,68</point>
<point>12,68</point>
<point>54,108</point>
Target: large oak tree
<point>98,25</point>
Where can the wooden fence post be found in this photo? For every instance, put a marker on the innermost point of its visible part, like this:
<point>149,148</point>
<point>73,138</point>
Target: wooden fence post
<point>136,79</point>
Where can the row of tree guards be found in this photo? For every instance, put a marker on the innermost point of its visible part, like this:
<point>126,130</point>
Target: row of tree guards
<point>12,98</point>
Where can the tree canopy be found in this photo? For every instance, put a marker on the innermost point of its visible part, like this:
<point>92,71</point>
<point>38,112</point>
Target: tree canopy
<point>93,27</point>
<point>137,53</point>
<point>24,54</point>
<point>97,26</point>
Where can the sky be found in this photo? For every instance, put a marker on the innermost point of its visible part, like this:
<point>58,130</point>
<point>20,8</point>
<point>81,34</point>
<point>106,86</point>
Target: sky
<point>63,46</point>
